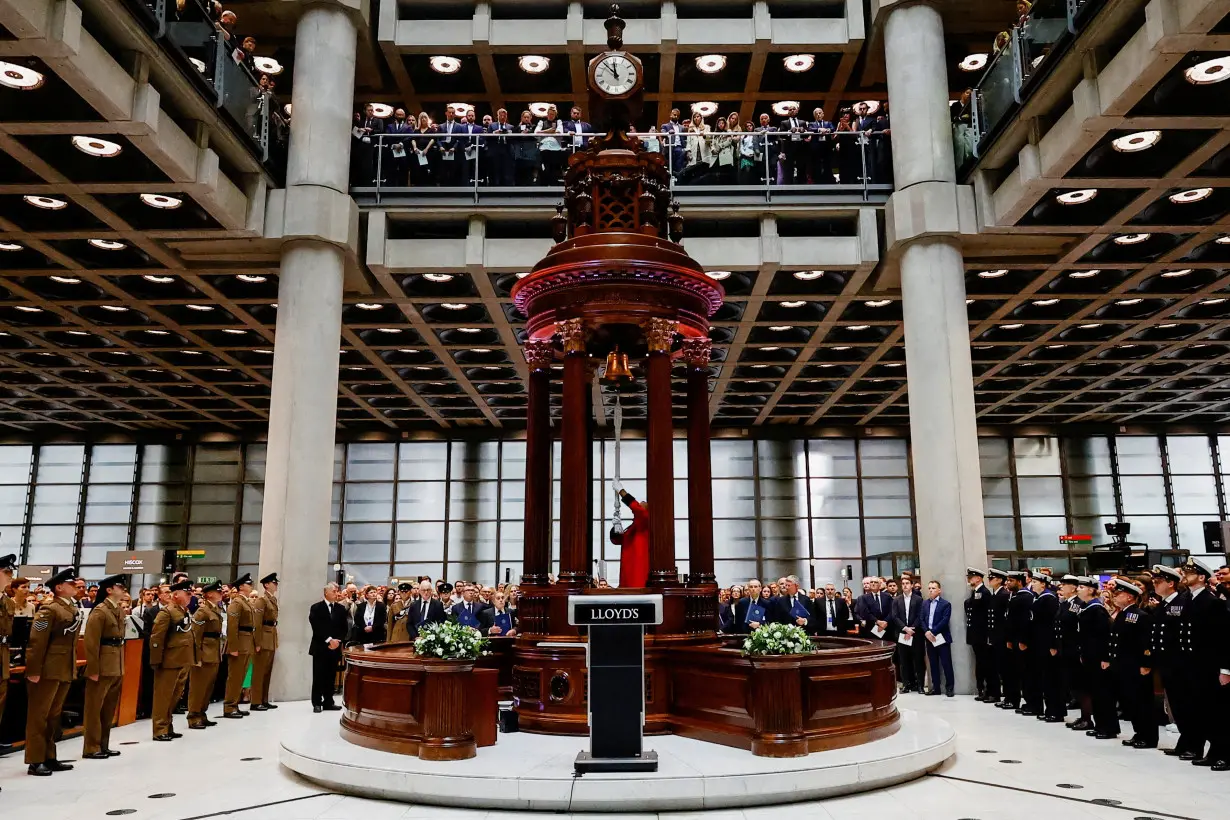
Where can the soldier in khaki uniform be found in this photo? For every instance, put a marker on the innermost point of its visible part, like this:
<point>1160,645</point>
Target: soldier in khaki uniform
<point>207,634</point>
<point>399,612</point>
<point>8,610</point>
<point>265,612</point>
<point>104,667</point>
<point>172,654</point>
<point>51,667</point>
<point>240,632</point>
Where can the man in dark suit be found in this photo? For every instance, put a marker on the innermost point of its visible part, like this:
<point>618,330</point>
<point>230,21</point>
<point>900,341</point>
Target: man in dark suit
<point>498,619</point>
<point>906,621</point>
<point>745,620</point>
<point>1202,664</point>
<point>576,128</point>
<point>396,165</point>
<point>832,614</point>
<point>792,606</point>
<point>793,149</point>
<point>329,621</point>
<point>426,609</point>
<point>451,142</point>
<point>467,610</point>
<point>370,620</point>
<point>368,129</point>
<point>500,150</point>
<point>820,145</point>
<point>977,621</point>
<point>673,133</point>
<point>935,617</point>
<point>874,609</point>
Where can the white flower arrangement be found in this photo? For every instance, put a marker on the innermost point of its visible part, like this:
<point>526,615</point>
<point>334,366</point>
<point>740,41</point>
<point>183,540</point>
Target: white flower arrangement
<point>778,639</point>
<point>449,641</point>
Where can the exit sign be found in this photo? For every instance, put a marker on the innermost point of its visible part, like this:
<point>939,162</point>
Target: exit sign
<point>207,579</point>
<point>1075,539</point>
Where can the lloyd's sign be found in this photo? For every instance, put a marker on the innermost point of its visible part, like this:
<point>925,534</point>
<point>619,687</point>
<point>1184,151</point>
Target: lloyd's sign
<point>614,610</point>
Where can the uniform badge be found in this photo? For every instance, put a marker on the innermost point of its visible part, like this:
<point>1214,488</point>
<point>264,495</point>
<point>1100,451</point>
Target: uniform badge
<point>1132,617</point>
<point>41,625</point>
<point>977,596</point>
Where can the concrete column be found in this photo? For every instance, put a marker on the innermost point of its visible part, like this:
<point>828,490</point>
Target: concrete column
<point>924,234</point>
<point>303,408</point>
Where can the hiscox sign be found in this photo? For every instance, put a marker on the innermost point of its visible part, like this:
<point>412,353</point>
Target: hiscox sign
<point>614,610</point>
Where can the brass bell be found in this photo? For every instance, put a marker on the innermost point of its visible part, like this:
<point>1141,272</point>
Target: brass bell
<point>617,371</point>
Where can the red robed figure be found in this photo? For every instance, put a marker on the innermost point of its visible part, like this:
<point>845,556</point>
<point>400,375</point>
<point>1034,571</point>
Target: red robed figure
<point>634,555</point>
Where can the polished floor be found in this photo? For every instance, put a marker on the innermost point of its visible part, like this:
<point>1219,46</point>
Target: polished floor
<point>1006,768</point>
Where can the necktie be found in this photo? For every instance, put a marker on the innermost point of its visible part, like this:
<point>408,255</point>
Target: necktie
<point>829,604</point>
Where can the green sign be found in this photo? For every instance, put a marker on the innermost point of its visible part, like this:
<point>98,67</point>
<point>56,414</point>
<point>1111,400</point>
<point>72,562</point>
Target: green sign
<point>190,555</point>
<point>1074,539</point>
<point>207,579</point>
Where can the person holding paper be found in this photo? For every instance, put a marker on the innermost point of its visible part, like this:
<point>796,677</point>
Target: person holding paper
<point>749,610</point>
<point>792,606</point>
<point>498,619</point>
<point>874,609</point>
<point>936,614</point>
<point>906,620</point>
<point>467,610</point>
<point>832,612</point>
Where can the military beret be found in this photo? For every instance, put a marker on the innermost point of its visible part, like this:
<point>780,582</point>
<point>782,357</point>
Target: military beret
<point>1087,581</point>
<point>181,586</point>
<point>246,578</point>
<point>8,563</point>
<point>271,578</point>
<point>1167,572</point>
<point>1127,586</point>
<point>1199,565</point>
<point>1038,575</point>
<point>405,586</point>
<point>997,573</point>
<point>64,576</point>
<point>216,586</point>
<point>970,572</point>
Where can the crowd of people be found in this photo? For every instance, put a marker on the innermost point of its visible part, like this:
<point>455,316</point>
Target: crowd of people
<point>465,150</point>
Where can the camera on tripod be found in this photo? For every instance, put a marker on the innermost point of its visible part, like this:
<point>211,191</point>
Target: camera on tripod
<point>1122,556</point>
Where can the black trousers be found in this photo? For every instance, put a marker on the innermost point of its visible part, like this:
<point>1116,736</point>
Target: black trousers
<point>1136,699</point>
<point>992,657</point>
<point>1011,672</point>
<point>1179,696</point>
<point>912,663</point>
<point>324,676</point>
<point>1054,690</point>
<point>1100,683</point>
<point>452,172</point>
<point>1033,678</point>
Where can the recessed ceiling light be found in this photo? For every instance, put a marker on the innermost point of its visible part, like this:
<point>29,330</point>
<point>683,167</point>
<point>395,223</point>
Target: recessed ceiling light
<point>1216,301</point>
<point>263,351</point>
<point>878,303</point>
<point>842,347</point>
<point>1132,238</point>
<point>760,366</point>
<point>160,280</point>
<point>453,305</point>
<point>524,274</point>
<point>368,306</point>
<point>66,280</point>
<point>769,349</point>
<point>1223,240</point>
<point>199,307</point>
<point>96,147</point>
<point>1192,195</point>
<point>420,366</point>
<point>253,278</point>
<point>1013,326</point>
<point>969,301</point>
<point>115,308</point>
<point>1128,302</point>
<point>792,304</point>
<point>973,62</point>
<point>28,309</point>
<point>894,364</point>
<point>233,330</point>
<point>993,274</point>
<point>706,108</point>
<point>445,65</point>
<point>711,63</point>
<point>191,352</point>
<point>47,203</point>
<point>539,109</point>
<point>807,275</point>
<point>167,203</point>
<point>159,332</point>
<point>470,329</point>
<point>382,110</point>
<point>438,277</point>
<point>1090,326</point>
<point>152,370</point>
<point>480,350</point>
<point>1208,72</point>
<point>860,327</point>
<point>19,77</point>
<point>719,275</point>
<point>1084,274</point>
<point>267,65</point>
<point>78,333</point>
<point>389,329</point>
<point>108,244</point>
<point>1139,141</point>
<point>1056,347</point>
<point>783,107</point>
<point>1045,302</point>
<point>534,63</point>
<point>222,370</point>
<point>1174,274</point>
<point>781,328</point>
<point>798,63</point>
<point>199,65</point>
<point>460,108</point>
<point>10,246</point>
<point>1076,197</point>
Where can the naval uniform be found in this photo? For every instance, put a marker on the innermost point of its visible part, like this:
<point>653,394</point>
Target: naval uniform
<point>1129,653</point>
<point>8,611</point>
<point>104,669</point>
<point>1038,659</point>
<point>997,624</point>
<point>207,635</point>
<point>1016,632</point>
<point>265,615</point>
<point>240,628</point>
<point>172,653</point>
<point>1168,632</point>
<point>51,656</point>
<point>1094,635</point>
<point>1201,650</point>
<point>1067,642</point>
<point>977,632</point>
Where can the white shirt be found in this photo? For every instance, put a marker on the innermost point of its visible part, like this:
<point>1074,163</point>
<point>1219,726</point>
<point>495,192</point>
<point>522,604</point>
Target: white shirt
<point>907,606</point>
<point>830,609</point>
<point>369,614</point>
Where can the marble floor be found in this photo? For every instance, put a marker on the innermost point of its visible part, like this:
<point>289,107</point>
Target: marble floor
<point>1006,768</point>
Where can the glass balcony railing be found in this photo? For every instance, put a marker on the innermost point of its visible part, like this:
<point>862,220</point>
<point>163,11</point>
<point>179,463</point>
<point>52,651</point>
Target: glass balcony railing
<point>222,72</point>
<point>484,166</point>
<point>1017,65</point>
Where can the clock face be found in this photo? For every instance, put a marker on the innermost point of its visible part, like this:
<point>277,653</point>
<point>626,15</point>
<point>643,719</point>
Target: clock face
<point>615,75</point>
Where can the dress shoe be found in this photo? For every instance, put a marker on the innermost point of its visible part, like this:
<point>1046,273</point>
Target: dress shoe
<point>57,766</point>
<point>1189,756</point>
<point>179,710</point>
<point>1091,733</point>
<point>96,756</point>
<point>1053,719</point>
<point>1203,761</point>
<point>932,692</point>
<point>1220,766</point>
<point>196,726</point>
<point>317,709</point>
<point>175,734</point>
<point>233,715</point>
<point>1106,735</point>
<point>950,694</point>
<point>5,748</point>
<point>1080,725</point>
<point>209,722</point>
<point>271,706</point>
<point>163,738</point>
<point>259,707</point>
<point>111,753</point>
<point>1144,744</point>
<point>1175,752</point>
<point>332,707</point>
<point>1030,713</point>
<point>1131,741</point>
<point>38,770</point>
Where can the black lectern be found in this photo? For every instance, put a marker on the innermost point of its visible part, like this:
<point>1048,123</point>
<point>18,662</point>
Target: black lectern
<point>616,660</point>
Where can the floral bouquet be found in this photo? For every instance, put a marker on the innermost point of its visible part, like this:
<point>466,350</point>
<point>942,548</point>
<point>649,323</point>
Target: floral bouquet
<point>450,641</point>
<point>778,639</point>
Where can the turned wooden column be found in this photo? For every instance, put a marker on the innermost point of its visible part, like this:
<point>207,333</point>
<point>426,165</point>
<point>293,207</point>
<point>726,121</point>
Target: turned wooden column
<point>574,463</point>
<point>539,354</point>
<point>700,471</point>
<point>660,486</point>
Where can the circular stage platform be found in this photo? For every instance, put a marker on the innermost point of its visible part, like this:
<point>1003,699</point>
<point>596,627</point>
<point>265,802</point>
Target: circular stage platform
<point>525,771</point>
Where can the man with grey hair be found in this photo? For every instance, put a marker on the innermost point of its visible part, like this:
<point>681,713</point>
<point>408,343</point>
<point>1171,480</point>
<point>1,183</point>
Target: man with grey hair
<point>793,606</point>
<point>330,621</point>
<point>749,610</point>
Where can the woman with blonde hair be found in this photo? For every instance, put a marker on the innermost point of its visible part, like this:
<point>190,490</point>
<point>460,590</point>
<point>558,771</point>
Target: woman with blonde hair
<point>697,149</point>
